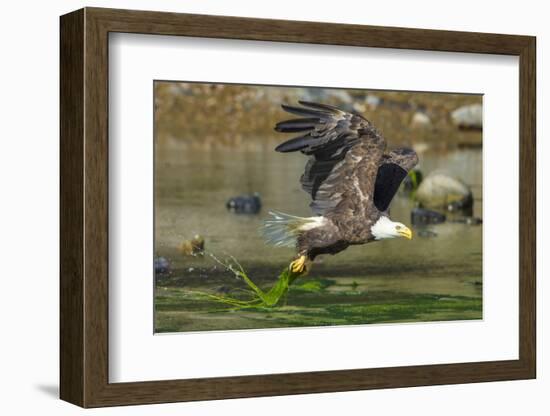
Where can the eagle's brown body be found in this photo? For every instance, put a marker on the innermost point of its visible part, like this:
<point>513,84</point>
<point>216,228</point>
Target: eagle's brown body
<point>349,175</point>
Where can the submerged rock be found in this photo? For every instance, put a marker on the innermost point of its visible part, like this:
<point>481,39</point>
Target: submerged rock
<point>245,204</point>
<point>192,247</point>
<point>468,220</point>
<point>422,216</point>
<point>440,190</point>
<point>424,233</point>
<point>468,117</point>
<point>162,265</point>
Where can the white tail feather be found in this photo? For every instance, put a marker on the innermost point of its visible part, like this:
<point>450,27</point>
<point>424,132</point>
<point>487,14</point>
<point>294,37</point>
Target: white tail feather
<point>283,229</point>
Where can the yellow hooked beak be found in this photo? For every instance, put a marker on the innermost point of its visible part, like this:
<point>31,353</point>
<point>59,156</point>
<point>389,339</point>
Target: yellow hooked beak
<point>405,232</point>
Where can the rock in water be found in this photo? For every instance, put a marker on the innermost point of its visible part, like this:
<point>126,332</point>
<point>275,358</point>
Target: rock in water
<point>245,204</point>
<point>424,233</point>
<point>468,117</point>
<point>440,190</point>
<point>193,247</point>
<point>468,220</point>
<point>420,120</point>
<point>422,216</point>
<point>162,265</point>
<point>473,221</point>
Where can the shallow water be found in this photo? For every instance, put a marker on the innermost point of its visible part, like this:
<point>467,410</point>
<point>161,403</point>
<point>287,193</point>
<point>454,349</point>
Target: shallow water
<point>425,279</point>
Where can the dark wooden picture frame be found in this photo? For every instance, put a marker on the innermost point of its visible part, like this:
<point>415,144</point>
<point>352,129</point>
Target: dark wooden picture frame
<point>84,207</point>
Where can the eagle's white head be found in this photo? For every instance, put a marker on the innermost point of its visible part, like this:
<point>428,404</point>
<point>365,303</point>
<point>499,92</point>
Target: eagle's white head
<point>386,228</point>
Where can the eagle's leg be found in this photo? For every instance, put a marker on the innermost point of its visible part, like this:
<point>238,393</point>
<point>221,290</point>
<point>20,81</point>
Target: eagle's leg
<point>300,265</point>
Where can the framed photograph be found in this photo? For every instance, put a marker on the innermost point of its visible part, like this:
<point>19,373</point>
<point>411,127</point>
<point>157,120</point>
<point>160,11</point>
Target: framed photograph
<point>263,207</point>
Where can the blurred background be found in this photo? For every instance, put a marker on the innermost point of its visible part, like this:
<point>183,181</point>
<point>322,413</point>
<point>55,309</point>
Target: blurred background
<point>208,116</point>
<point>217,176</point>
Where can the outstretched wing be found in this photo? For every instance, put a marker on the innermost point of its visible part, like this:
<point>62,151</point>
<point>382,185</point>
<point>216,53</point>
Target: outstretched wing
<point>393,168</point>
<point>345,152</point>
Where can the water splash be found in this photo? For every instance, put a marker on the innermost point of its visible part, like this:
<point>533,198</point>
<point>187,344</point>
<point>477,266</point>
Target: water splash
<point>257,297</point>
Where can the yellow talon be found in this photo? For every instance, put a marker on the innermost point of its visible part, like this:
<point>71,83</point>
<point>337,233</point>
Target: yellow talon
<point>298,266</point>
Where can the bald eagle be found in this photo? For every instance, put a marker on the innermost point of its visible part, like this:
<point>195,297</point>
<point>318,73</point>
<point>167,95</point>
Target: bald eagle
<point>351,180</point>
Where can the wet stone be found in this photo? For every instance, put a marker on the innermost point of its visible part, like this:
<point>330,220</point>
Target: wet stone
<point>468,220</point>
<point>193,247</point>
<point>469,117</point>
<point>162,265</point>
<point>440,190</point>
<point>422,216</point>
<point>245,204</point>
<point>424,233</point>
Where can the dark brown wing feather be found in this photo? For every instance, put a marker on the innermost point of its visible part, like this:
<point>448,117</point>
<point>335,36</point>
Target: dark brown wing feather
<point>345,152</point>
<point>328,131</point>
<point>394,167</point>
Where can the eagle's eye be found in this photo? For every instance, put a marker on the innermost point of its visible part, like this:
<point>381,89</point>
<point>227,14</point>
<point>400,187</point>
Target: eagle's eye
<point>397,227</point>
